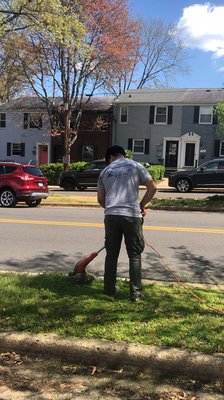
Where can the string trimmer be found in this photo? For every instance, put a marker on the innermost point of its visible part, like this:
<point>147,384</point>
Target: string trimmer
<point>79,274</point>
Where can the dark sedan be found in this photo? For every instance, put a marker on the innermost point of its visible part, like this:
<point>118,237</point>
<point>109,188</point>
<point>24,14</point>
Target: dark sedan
<point>85,177</point>
<point>207,175</point>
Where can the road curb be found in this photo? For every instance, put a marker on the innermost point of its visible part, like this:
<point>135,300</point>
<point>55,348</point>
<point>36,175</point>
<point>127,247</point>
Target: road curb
<point>168,362</point>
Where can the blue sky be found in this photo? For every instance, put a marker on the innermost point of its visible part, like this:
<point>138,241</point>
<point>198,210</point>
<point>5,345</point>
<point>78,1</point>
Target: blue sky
<point>202,27</point>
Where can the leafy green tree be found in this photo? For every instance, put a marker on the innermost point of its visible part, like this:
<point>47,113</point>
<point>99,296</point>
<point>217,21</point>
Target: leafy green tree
<point>80,64</point>
<point>51,17</point>
<point>55,20</point>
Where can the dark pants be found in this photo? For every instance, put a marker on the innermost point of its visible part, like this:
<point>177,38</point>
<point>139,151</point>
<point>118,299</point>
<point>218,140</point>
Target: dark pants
<point>115,227</point>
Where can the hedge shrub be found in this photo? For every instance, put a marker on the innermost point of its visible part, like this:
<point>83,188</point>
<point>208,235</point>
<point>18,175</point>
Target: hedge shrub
<point>157,172</point>
<point>52,171</point>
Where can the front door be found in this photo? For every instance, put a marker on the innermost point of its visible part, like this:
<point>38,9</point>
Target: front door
<point>42,154</point>
<point>171,153</point>
<point>189,154</point>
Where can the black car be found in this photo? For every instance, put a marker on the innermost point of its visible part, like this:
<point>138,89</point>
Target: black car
<point>86,176</point>
<point>208,175</point>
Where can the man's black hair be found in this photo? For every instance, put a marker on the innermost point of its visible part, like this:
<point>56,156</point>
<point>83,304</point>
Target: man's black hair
<point>114,151</point>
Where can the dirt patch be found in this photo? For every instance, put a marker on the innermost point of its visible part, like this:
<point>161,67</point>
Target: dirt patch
<point>27,378</point>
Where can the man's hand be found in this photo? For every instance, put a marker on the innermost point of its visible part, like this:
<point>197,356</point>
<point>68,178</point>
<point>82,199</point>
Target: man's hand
<point>143,212</point>
<point>151,190</point>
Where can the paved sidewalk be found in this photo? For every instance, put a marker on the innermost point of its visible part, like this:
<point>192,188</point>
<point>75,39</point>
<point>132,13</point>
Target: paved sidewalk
<point>163,184</point>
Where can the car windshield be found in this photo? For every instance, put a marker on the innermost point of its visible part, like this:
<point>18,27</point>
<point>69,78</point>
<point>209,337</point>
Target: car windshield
<point>33,171</point>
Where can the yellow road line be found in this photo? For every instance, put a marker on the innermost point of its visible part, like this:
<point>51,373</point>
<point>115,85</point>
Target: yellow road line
<point>95,225</point>
<point>59,223</point>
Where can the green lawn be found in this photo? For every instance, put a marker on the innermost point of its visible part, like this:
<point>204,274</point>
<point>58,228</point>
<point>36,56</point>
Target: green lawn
<point>213,203</point>
<point>169,316</point>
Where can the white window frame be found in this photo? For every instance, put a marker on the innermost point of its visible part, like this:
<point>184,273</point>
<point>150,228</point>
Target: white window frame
<point>205,110</point>
<point>143,146</point>
<point>155,116</point>
<point>221,150</point>
<point>123,114</point>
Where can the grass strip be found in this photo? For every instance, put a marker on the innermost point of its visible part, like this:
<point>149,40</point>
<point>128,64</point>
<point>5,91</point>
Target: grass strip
<point>210,203</point>
<point>213,203</point>
<point>169,316</point>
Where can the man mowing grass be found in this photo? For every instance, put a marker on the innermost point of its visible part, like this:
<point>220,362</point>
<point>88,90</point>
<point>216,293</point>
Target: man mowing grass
<point>118,191</point>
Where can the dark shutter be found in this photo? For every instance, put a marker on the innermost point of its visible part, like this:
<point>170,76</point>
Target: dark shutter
<point>22,149</point>
<point>130,144</point>
<point>146,146</point>
<point>196,114</point>
<point>40,121</point>
<point>25,120</point>
<point>170,115</point>
<point>215,117</point>
<point>9,149</point>
<point>217,148</point>
<point>151,114</point>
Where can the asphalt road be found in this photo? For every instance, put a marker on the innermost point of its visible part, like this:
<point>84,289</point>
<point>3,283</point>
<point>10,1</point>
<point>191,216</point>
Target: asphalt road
<point>54,239</point>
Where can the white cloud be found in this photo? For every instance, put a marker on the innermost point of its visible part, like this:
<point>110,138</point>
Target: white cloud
<point>202,27</point>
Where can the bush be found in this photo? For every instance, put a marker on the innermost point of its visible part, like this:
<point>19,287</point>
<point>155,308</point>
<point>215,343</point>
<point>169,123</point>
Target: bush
<point>53,170</point>
<point>157,172</point>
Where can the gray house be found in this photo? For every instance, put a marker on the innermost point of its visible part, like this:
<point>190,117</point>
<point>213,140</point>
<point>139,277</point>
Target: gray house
<point>173,127</point>
<point>24,131</point>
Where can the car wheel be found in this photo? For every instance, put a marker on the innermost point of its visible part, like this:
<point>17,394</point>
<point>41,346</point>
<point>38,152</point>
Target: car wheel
<point>7,198</point>
<point>183,185</point>
<point>81,188</point>
<point>33,203</point>
<point>68,184</point>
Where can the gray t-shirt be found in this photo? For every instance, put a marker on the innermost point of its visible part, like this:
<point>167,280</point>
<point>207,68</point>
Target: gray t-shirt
<point>121,180</point>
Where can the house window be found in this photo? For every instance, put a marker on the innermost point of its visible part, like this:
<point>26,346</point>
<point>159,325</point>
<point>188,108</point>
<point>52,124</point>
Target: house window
<point>160,115</point>
<point>104,122</point>
<point>205,115</point>
<point>16,149</point>
<point>138,146</point>
<point>2,120</point>
<point>101,123</point>
<point>87,153</point>
<point>222,148</point>
<point>123,115</point>
<point>32,120</point>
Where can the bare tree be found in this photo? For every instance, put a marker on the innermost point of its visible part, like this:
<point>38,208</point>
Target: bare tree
<point>159,56</point>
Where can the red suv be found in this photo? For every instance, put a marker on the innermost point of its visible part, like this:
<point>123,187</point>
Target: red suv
<point>20,182</point>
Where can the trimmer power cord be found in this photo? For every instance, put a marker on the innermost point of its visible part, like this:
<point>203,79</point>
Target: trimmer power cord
<point>181,283</point>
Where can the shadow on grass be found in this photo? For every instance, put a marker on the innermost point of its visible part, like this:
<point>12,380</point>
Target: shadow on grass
<point>51,302</point>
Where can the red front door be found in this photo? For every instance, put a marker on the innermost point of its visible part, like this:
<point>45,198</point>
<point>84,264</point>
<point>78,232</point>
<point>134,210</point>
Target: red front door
<point>43,154</point>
